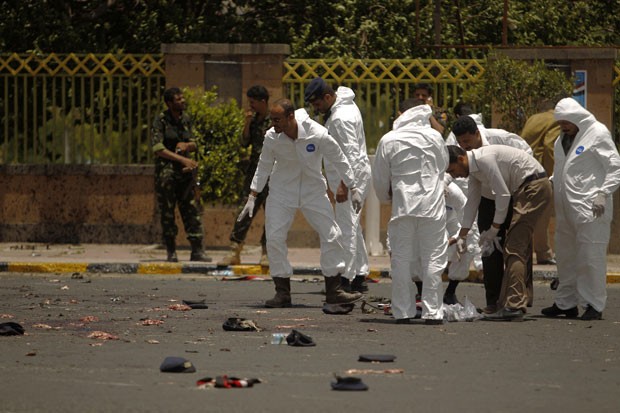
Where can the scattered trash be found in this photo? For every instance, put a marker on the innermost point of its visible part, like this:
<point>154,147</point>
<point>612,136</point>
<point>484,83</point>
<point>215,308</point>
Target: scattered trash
<point>338,308</point>
<point>179,307</point>
<point>77,276</point>
<point>225,382</point>
<point>222,273</point>
<point>240,324</point>
<point>89,319</point>
<point>149,322</point>
<point>458,312</point>
<point>196,305</point>
<point>377,358</point>
<point>11,328</point>
<point>7,316</point>
<point>31,354</point>
<point>115,299</point>
<point>278,338</point>
<point>102,335</point>
<point>42,326</point>
<point>349,383</point>
<point>299,339</point>
<point>370,371</point>
<point>152,341</point>
<point>176,365</point>
<point>64,287</point>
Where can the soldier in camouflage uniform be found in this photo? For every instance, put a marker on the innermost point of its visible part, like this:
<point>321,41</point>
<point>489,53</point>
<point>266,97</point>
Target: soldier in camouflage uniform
<point>424,91</point>
<point>175,171</point>
<point>256,124</point>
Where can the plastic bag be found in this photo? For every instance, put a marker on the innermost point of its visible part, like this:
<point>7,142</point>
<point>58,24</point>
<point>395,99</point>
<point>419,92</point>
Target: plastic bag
<point>461,312</point>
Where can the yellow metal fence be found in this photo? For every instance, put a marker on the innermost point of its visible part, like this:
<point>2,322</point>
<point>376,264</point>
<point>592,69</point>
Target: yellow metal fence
<point>78,108</point>
<point>97,109</point>
<point>380,85</point>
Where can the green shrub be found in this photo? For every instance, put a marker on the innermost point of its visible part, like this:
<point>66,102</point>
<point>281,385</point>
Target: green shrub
<point>218,126</point>
<point>516,89</point>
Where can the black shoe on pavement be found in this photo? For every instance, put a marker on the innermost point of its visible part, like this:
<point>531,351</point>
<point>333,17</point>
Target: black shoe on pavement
<point>591,314</point>
<point>433,322</point>
<point>359,284</point>
<point>450,299</point>
<point>345,284</point>
<point>505,314</point>
<point>554,311</point>
<point>550,261</point>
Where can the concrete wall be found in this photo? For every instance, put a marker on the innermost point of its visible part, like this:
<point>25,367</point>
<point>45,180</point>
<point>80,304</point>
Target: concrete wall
<point>109,204</point>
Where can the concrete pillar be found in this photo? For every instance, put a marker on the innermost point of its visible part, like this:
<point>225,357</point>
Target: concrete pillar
<point>232,68</point>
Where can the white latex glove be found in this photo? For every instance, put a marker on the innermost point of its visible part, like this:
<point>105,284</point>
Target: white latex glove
<point>356,200</point>
<point>461,245</point>
<point>487,237</point>
<point>248,208</point>
<point>488,247</point>
<point>598,205</point>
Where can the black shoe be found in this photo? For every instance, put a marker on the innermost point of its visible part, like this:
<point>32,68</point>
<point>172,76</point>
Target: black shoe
<point>591,314</point>
<point>550,261</point>
<point>554,311</point>
<point>345,284</point>
<point>172,257</point>
<point>199,256</point>
<point>505,314</point>
<point>433,322</point>
<point>359,284</point>
<point>450,299</point>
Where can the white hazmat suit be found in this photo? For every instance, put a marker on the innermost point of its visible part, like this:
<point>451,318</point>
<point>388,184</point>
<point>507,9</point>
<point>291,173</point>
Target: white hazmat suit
<point>408,170</point>
<point>294,171</point>
<point>346,126</point>
<point>455,202</point>
<point>591,167</point>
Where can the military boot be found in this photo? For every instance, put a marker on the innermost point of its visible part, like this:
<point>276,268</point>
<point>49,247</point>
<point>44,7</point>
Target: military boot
<point>171,250</point>
<point>198,253</point>
<point>334,294</point>
<point>234,258</point>
<point>264,260</point>
<point>283,294</point>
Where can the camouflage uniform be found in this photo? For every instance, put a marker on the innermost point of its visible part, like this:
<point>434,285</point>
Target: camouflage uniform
<point>172,186</point>
<point>257,135</point>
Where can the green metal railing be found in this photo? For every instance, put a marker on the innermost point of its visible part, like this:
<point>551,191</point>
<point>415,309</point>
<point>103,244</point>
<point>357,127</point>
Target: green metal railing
<point>78,108</point>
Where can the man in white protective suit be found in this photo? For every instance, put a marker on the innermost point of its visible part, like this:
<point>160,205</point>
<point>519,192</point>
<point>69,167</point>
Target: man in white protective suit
<point>585,175</point>
<point>344,123</point>
<point>408,171</point>
<point>291,159</point>
<point>459,262</point>
<point>471,134</point>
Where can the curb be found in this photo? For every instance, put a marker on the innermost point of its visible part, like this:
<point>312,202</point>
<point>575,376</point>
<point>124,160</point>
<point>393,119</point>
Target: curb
<point>210,269</point>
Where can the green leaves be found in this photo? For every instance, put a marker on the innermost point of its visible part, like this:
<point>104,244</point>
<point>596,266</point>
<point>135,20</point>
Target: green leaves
<point>218,126</point>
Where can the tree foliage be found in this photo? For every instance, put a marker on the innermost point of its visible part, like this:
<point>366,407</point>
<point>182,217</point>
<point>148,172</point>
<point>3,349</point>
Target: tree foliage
<point>321,28</point>
<point>517,89</point>
<point>218,126</point>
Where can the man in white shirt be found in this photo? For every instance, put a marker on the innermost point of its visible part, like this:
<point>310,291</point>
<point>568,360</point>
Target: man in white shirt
<point>408,171</point>
<point>585,175</point>
<point>291,159</point>
<point>471,134</point>
<point>510,173</point>
<point>344,123</point>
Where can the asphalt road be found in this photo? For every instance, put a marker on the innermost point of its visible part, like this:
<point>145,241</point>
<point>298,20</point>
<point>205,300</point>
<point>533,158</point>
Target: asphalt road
<point>540,365</point>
